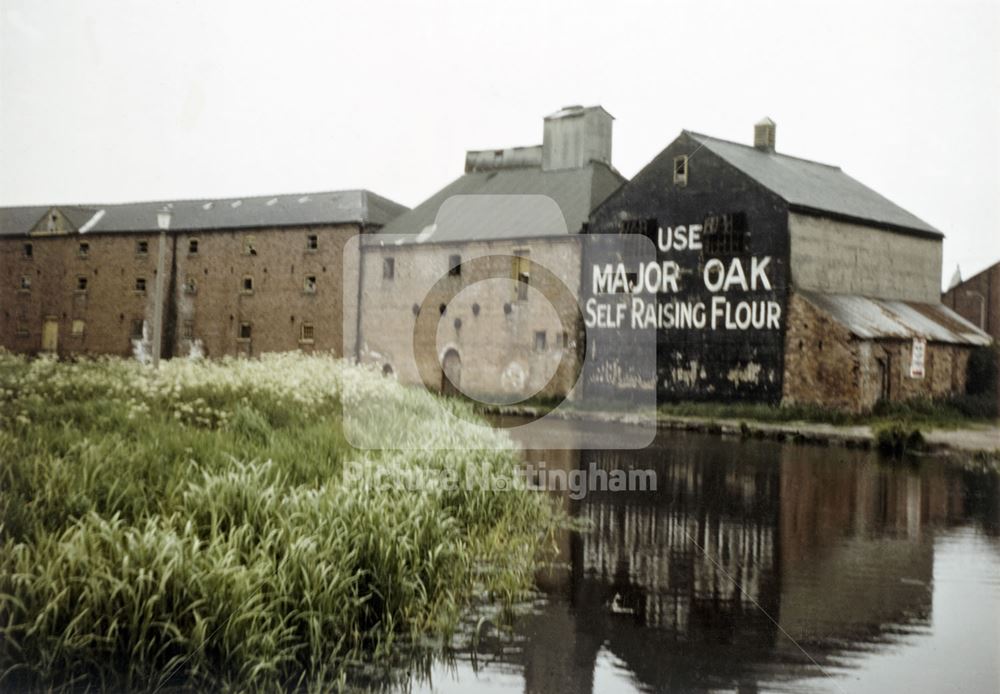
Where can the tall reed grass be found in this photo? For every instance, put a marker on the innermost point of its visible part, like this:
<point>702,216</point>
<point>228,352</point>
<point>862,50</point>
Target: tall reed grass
<point>190,527</point>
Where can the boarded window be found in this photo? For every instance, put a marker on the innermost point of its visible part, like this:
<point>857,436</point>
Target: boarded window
<point>681,170</point>
<point>455,265</point>
<point>140,284</point>
<point>84,250</point>
<point>78,328</point>
<point>388,268</point>
<point>190,285</point>
<point>521,273</point>
<point>187,330</point>
<point>138,328</point>
<point>249,245</point>
<point>312,242</point>
<point>22,330</point>
<point>307,333</point>
<point>539,340</point>
<point>246,330</point>
<point>309,284</point>
<point>142,247</point>
<point>25,283</point>
<point>725,234</point>
<point>247,286</point>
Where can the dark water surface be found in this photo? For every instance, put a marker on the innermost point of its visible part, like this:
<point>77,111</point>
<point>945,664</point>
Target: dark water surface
<point>758,566</point>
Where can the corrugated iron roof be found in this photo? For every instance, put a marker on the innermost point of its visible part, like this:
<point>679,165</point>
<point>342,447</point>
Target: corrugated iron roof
<point>303,209</point>
<point>880,318</point>
<point>508,203</point>
<point>813,186</point>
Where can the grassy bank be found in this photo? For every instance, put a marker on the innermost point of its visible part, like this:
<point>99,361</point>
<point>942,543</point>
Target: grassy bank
<point>954,413</point>
<point>192,527</point>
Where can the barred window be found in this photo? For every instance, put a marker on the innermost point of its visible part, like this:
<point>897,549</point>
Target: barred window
<point>725,234</point>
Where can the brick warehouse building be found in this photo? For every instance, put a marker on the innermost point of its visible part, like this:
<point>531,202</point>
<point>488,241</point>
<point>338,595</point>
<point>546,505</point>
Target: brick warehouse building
<point>245,276</point>
<point>977,299</point>
<point>518,211</point>
<point>788,281</point>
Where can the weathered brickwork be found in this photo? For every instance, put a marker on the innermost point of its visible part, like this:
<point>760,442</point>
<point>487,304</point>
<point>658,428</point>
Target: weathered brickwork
<point>504,346</point>
<point>56,267</point>
<point>95,291</point>
<point>826,365</point>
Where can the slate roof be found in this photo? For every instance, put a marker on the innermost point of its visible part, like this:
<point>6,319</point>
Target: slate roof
<point>880,318</point>
<point>336,207</point>
<point>814,187</point>
<point>518,202</point>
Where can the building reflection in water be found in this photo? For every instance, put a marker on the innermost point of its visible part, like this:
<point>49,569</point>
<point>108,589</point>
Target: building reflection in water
<point>748,556</point>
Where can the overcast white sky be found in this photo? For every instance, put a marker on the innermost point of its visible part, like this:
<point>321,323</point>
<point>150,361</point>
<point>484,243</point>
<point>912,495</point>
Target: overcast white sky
<point>106,101</point>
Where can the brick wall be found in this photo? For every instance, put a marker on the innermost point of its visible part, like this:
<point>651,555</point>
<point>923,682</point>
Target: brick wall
<point>210,309</point>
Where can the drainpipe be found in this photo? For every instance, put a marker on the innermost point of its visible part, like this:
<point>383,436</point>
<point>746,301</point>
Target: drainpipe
<point>361,283</point>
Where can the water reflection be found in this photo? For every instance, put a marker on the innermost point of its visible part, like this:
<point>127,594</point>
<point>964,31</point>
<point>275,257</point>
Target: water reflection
<point>754,565</point>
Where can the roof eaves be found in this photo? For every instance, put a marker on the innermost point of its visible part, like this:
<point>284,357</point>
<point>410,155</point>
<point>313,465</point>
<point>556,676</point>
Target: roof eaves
<point>929,233</point>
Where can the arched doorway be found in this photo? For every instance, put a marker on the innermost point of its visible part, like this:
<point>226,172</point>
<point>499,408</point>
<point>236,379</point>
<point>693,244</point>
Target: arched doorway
<point>451,373</point>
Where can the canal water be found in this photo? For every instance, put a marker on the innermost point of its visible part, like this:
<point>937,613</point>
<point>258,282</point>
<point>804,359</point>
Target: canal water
<point>755,566</point>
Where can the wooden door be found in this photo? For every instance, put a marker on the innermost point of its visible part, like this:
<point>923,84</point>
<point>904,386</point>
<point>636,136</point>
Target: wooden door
<point>50,335</point>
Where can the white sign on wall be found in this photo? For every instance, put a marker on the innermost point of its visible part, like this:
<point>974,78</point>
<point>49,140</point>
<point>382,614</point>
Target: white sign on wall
<point>917,355</point>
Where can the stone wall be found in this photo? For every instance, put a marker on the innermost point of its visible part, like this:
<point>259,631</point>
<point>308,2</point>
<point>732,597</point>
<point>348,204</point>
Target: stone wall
<point>826,365</point>
<point>507,347</point>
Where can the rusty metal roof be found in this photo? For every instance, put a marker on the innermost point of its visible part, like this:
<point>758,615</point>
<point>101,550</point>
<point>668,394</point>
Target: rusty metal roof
<point>881,318</point>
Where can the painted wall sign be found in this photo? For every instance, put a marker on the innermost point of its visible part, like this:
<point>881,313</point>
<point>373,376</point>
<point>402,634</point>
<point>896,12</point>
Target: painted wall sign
<point>710,298</point>
<point>917,356</point>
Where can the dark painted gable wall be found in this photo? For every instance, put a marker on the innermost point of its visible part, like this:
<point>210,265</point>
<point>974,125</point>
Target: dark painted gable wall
<point>707,362</point>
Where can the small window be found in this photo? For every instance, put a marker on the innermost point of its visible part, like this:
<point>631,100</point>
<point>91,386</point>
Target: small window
<point>388,268</point>
<point>307,333</point>
<point>563,339</point>
<point>455,265</point>
<point>539,340</point>
<point>142,247</point>
<point>249,246</point>
<point>192,246</point>
<point>681,170</point>
<point>28,251</point>
<point>25,283</point>
<point>309,284</point>
<point>187,330</point>
<point>520,271</point>
<point>247,284</point>
<point>725,234</point>
<point>84,250</point>
<point>312,242</point>
<point>138,328</point>
<point>190,286</point>
<point>78,328</point>
<point>81,284</point>
<point>22,330</point>
<point>246,330</point>
<point>140,284</point>
<point>645,227</point>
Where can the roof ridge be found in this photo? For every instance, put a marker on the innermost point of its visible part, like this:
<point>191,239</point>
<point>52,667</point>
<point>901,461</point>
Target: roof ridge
<point>751,147</point>
<point>97,205</point>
